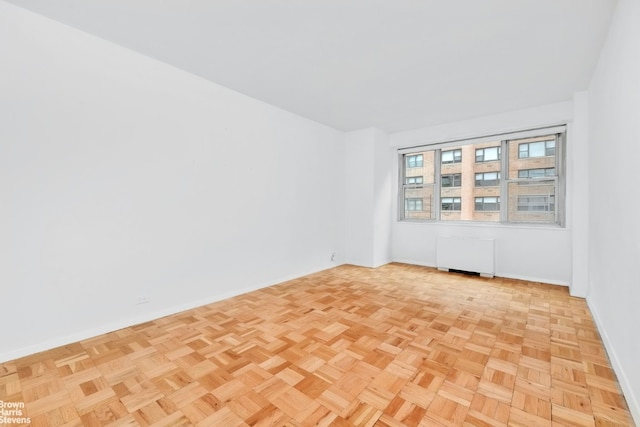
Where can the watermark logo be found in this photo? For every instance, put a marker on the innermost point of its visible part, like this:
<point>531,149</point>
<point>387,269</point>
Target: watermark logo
<point>13,413</point>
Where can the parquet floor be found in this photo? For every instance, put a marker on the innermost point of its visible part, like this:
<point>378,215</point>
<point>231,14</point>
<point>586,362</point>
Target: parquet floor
<point>395,346</point>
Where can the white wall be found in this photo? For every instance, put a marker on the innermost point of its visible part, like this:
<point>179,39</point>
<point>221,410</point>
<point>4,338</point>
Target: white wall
<point>382,197</point>
<point>123,177</point>
<point>614,229</point>
<point>578,181</point>
<point>368,198</point>
<point>547,254</point>
<point>359,191</point>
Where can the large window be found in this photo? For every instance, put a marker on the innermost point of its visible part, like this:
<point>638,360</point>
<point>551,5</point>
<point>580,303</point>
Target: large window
<point>516,178</point>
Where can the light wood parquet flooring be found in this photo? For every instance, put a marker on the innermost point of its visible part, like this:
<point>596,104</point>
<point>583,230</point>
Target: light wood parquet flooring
<point>399,345</point>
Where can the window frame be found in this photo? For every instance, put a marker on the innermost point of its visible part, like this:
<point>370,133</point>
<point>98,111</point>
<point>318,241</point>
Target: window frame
<point>559,133</point>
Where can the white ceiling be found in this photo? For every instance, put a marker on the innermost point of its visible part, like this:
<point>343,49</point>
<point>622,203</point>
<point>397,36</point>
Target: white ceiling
<point>351,64</point>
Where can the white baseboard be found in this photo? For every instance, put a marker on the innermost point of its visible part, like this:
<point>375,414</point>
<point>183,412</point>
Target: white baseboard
<point>136,320</point>
<point>497,273</point>
<point>532,279</point>
<point>413,262</point>
<point>623,380</point>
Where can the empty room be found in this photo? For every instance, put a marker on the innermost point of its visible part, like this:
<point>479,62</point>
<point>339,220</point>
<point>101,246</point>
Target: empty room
<point>331,213</point>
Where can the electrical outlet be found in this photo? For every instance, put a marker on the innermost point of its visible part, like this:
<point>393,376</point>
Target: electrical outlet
<point>142,300</point>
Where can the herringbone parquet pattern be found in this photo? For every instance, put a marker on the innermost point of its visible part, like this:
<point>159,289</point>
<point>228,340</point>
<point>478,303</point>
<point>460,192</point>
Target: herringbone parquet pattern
<point>395,346</point>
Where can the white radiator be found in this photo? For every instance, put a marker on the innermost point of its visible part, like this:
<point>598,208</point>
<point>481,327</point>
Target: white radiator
<point>466,254</point>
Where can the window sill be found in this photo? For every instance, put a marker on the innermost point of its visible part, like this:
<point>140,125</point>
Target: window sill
<point>480,224</point>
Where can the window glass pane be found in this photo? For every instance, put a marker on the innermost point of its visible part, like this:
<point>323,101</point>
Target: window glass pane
<point>419,185</point>
<point>532,201</point>
<point>488,179</point>
<point>536,149</point>
<point>414,180</point>
<point>490,154</point>
<point>454,180</point>
<point>550,148</point>
<point>450,204</point>
<point>523,150</point>
<point>538,160</point>
<point>418,203</point>
<point>451,156</point>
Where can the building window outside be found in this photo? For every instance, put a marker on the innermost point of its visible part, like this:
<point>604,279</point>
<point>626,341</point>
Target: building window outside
<point>488,179</point>
<point>415,161</point>
<point>414,205</point>
<point>537,149</point>
<point>487,203</point>
<point>517,180</point>
<point>490,154</point>
<point>453,180</point>
<point>536,173</point>
<point>451,203</point>
<point>452,156</point>
<point>536,203</point>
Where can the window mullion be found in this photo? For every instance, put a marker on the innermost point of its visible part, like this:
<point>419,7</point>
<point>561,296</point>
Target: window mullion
<point>437,183</point>
<point>401,175</point>
<point>504,177</point>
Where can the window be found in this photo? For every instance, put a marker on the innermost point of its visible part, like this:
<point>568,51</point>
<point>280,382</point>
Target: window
<point>536,173</point>
<point>536,203</point>
<point>414,204</point>
<point>488,154</point>
<point>451,203</point>
<point>451,156</point>
<point>453,180</point>
<point>514,178</point>
<point>415,161</point>
<point>418,190</point>
<point>487,203</point>
<point>488,179</point>
<point>537,149</point>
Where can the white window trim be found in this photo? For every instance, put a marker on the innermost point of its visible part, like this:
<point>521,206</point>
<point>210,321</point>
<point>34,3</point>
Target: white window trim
<point>438,147</point>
